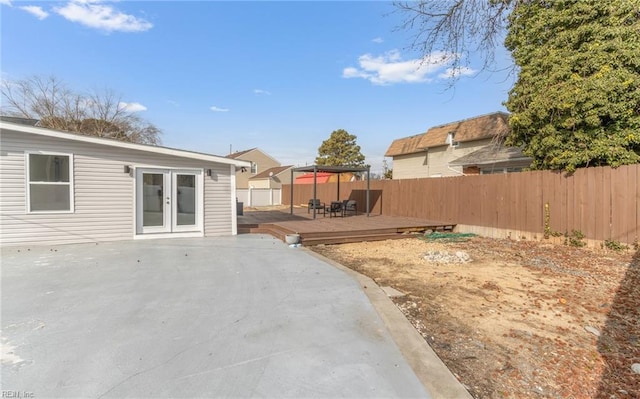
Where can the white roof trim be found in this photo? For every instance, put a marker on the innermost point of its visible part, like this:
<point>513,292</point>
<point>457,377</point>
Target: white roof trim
<point>122,144</point>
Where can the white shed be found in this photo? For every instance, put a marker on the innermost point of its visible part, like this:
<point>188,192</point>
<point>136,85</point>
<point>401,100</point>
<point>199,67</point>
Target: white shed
<point>58,187</point>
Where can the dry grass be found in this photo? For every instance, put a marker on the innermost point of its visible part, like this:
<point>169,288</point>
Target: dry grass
<point>511,324</point>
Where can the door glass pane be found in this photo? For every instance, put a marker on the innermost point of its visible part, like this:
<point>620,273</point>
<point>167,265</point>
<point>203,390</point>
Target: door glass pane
<point>186,205</point>
<point>152,199</point>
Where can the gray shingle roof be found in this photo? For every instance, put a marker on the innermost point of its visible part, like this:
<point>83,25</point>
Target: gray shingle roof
<point>490,154</point>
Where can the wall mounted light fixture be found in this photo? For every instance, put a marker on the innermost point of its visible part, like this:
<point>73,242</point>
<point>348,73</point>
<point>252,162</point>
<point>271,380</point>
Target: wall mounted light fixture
<point>127,169</point>
<point>209,172</point>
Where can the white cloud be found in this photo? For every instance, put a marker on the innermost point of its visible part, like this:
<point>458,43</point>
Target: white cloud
<point>457,72</point>
<point>38,12</point>
<point>377,40</point>
<point>218,109</point>
<point>391,68</point>
<point>263,92</point>
<point>6,2</point>
<point>94,14</point>
<point>131,107</point>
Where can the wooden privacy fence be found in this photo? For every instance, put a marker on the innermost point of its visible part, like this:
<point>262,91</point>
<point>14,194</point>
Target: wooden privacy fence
<point>603,203</point>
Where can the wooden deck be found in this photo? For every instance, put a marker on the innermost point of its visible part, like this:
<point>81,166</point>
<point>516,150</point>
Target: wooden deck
<point>334,230</point>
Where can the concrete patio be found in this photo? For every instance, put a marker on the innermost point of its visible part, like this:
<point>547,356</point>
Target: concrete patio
<point>243,316</point>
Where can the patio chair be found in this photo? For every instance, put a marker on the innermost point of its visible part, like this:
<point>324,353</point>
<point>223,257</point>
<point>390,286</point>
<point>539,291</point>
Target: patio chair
<point>349,206</point>
<point>317,205</point>
<point>335,208</point>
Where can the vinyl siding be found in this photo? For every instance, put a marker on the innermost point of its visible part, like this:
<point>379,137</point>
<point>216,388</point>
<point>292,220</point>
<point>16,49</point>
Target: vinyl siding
<point>256,156</point>
<point>260,183</point>
<point>410,166</point>
<point>104,204</point>
<point>218,214</point>
<point>437,163</point>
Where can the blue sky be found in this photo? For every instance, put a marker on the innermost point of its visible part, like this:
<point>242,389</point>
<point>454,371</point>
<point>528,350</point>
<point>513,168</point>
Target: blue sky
<point>280,76</point>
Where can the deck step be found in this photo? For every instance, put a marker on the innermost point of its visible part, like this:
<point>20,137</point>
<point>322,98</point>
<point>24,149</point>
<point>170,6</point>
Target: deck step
<point>344,239</point>
<point>316,234</point>
<point>338,233</point>
<point>277,231</point>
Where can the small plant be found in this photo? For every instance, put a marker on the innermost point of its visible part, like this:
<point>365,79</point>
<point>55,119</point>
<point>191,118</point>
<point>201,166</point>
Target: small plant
<point>615,245</point>
<point>575,239</point>
<point>547,224</point>
<point>547,221</point>
<point>636,244</point>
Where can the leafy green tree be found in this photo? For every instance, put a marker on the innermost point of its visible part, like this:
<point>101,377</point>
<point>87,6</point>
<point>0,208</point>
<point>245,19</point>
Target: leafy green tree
<point>576,102</point>
<point>340,149</point>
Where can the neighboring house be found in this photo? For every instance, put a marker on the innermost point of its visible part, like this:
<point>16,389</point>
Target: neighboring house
<point>260,162</point>
<point>441,151</point>
<point>58,188</point>
<point>493,158</point>
<point>272,177</point>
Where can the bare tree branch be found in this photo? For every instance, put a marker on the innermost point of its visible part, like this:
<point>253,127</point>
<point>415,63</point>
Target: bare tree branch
<point>457,28</point>
<point>57,107</point>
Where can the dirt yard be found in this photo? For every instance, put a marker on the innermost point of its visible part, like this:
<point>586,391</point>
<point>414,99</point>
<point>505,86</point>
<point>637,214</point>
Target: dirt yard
<point>519,319</point>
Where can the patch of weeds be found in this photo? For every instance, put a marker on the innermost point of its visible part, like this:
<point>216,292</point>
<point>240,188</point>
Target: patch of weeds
<point>547,224</point>
<point>615,245</point>
<point>575,239</point>
<point>447,237</point>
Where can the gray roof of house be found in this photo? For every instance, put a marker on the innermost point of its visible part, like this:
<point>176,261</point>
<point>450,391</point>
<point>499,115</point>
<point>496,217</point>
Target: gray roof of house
<point>19,120</point>
<point>490,154</point>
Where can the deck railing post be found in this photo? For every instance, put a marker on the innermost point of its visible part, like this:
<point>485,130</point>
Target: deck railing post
<point>315,187</point>
<point>368,185</point>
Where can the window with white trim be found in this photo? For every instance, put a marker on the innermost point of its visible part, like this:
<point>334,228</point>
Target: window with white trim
<point>254,168</point>
<point>49,182</point>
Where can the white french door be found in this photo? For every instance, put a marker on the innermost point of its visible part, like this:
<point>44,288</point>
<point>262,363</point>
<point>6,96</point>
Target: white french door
<point>168,201</point>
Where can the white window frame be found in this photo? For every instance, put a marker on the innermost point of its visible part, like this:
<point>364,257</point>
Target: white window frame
<point>28,182</point>
<point>451,140</point>
<point>170,228</point>
<point>254,168</point>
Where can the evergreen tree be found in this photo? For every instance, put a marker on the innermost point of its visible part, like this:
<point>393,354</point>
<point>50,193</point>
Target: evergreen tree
<point>576,102</point>
<point>340,149</point>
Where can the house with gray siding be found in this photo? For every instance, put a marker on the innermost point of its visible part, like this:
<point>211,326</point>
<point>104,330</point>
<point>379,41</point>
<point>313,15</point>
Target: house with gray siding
<point>58,188</point>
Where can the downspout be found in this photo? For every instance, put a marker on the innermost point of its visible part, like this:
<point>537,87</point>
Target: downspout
<point>234,202</point>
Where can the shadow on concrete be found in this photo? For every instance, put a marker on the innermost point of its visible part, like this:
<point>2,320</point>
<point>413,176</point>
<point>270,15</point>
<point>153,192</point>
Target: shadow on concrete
<point>619,342</point>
